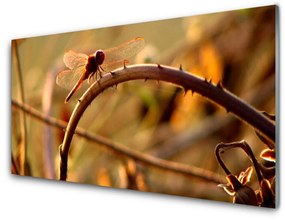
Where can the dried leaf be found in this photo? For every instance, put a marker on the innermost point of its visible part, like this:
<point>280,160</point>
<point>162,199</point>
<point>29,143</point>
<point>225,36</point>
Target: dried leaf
<point>268,154</point>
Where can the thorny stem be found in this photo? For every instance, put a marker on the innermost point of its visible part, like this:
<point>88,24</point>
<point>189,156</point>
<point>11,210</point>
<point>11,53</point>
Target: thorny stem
<point>215,93</point>
<point>212,124</point>
<point>119,148</point>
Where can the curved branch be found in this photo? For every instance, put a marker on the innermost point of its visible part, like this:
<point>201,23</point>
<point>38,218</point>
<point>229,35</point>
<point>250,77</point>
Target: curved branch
<point>222,147</point>
<point>215,93</point>
<point>211,124</point>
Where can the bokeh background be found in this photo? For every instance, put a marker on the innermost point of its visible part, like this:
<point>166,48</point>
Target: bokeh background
<point>236,47</point>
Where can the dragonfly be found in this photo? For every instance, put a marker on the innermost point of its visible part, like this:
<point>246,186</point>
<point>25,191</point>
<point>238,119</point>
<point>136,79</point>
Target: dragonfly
<point>82,67</point>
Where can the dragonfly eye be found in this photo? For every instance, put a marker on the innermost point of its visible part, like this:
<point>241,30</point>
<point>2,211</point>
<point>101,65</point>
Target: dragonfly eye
<point>99,56</point>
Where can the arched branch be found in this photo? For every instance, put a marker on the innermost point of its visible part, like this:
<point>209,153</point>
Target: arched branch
<point>188,81</point>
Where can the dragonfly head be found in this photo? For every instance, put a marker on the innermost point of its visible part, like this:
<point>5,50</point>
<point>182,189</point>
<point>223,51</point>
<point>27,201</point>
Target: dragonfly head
<point>99,56</point>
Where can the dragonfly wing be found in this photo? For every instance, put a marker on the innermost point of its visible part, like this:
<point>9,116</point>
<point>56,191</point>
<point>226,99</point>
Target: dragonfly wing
<point>73,59</point>
<point>114,57</point>
<point>68,78</point>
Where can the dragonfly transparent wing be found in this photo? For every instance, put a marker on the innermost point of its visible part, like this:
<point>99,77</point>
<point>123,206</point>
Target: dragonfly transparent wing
<point>114,57</point>
<point>73,59</point>
<point>68,78</point>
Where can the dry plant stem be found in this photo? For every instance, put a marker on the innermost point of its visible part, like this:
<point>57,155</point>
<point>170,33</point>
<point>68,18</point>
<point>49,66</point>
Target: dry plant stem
<point>48,167</point>
<point>215,93</point>
<point>14,166</point>
<point>23,150</point>
<point>119,148</point>
<point>243,145</point>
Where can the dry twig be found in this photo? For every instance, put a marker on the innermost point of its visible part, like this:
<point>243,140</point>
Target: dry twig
<point>119,148</point>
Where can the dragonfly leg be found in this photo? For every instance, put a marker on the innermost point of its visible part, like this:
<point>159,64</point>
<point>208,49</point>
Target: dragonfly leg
<point>88,80</point>
<point>100,70</point>
<point>90,76</point>
<point>100,74</point>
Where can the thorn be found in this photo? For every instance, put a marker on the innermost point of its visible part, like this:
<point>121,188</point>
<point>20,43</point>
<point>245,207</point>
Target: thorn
<point>79,100</point>
<point>60,150</point>
<point>145,79</point>
<point>220,85</point>
<point>180,67</point>
<point>210,81</point>
<point>205,80</point>
<point>112,73</point>
<point>116,85</point>
<point>159,66</point>
<point>125,61</point>
<point>185,91</point>
<point>270,116</point>
<point>192,91</point>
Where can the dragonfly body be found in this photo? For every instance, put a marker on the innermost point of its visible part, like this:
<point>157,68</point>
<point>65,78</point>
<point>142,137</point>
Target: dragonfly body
<point>92,67</point>
<point>82,67</point>
<point>94,63</point>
